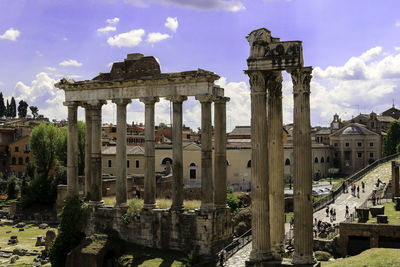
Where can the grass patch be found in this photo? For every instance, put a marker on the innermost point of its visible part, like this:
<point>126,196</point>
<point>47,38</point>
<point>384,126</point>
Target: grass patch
<point>375,257</point>
<point>390,212</point>
<point>288,216</point>
<point>315,199</point>
<point>147,257</point>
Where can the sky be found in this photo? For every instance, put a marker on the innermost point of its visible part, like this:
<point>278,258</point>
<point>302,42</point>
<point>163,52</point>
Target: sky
<point>353,47</point>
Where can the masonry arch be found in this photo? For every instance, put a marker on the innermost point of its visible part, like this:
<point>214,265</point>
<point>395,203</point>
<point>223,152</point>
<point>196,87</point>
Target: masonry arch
<point>193,171</point>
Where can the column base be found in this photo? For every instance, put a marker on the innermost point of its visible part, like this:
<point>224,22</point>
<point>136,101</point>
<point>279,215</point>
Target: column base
<point>149,206</point>
<point>177,208</point>
<point>277,252</point>
<point>96,203</point>
<point>306,260</point>
<point>122,206</point>
<point>260,256</point>
<point>207,207</point>
<point>275,263</point>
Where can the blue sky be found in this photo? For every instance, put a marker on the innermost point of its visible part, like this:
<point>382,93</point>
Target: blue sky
<point>354,47</point>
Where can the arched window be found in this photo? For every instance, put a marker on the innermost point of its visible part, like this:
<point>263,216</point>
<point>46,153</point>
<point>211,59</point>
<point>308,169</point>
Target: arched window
<point>316,160</point>
<point>192,170</point>
<point>249,164</point>
<point>287,162</point>
<point>322,160</point>
<point>327,159</point>
<point>13,161</point>
<point>164,161</point>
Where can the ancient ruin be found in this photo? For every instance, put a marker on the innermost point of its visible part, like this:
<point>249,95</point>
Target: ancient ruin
<point>203,231</point>
<point>268,57</point>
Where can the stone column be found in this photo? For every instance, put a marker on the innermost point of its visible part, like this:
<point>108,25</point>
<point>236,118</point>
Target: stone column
<point>261,246</point>
<point>220,151</point>
<point>95,161</point>
<point>121,183</point>
<point>395,180</point>
<point>303,208</point>
<point>88,150</point>
<point>177,152</point>
<point>207,192</point>
<point>72,149</point>
<point>149,160</point>
<point>276,161</point>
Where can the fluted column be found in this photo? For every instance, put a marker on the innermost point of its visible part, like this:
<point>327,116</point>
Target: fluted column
<point>149,159</point>
<point>88,150</point>
<point>220,151</point>
<point>261,247</point>
<point>207,192</point>
<point>177,152</point>
<point>303,209</point>
<point>275,167</point>
<point>121,186</point>
<point>95,162</point>
<point>395,180</point>
<point>72,149</point>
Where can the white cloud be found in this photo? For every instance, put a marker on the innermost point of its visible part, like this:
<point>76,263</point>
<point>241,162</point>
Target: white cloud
<point>10,34</point>
<point>107,29</point>
<point>172,23</point>
<point>51,68</point>
<point>207,5</point>
<point>156,37</point>
<point>397,48</point>
<point>113,21</point>
<point>70,62</point>
<point>127,39</point>
<point>371,53</point>
<point>397,24</point>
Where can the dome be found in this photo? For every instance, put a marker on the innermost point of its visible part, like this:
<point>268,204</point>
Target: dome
<point>352,130</point>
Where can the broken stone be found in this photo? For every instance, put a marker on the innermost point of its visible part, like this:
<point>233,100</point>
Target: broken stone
<point>50,236</point>
<point>43,226</point>
<point>19,251</point>
<point>39,241</point>
<point>21,229</point>
<point>20,225</point>
<point>14,259</point>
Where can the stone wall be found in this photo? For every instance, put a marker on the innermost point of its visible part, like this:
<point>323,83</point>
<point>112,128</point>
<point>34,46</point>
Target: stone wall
<point>188,231</point>
<point>378,236</point>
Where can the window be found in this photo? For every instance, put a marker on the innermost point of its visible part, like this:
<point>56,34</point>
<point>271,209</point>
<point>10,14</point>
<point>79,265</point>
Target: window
<point>287,162</point>
<point>26,148</point>
<point>322,160</point>
<point>335,144</point>
<point>316,160</point>
<point>13,161</point>
<point>336,154</point>
<point>359,144</point>
<point>347,144</point>
<point>109,163</point>
<point>327,159</point>
<point>16,149</point>
<point>371,154</point>
<point>137,164</point>
<point>347,155</point>
<point>192,170</point>
<point>165,160</point>
<point>20,161</point>
<point>128,163</point>
<point>27,160</point>
<point>359,154</point>
<point>371,144</point>
<point>249,164</point>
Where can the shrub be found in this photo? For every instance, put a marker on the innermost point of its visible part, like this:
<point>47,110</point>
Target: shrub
<point>12,191</point>
<point>322,255</point>
<point>72,220</point>
<point>233,202</point>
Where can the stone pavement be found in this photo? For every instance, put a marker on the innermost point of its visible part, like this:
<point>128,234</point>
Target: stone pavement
<point>383,172</point>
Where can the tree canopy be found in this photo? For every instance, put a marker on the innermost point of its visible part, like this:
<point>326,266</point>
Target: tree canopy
<point>13,108</point>
<point>392,139</point>
<point>22,109</point>
<point>2,106</point>
<point>35,111</point>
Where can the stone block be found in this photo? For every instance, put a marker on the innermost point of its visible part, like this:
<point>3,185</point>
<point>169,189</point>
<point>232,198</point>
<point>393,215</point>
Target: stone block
<point>362,215</point>
<point>377,210</point>
<point>381,219</point>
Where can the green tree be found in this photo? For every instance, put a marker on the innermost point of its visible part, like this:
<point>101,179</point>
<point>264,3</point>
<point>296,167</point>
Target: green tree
<point>13,108</point>
<point>7,112</point>
<point>62,147</point>
<point>2,106</point>
<point>43,144</point>
<point>392,139</point>
<point>22,109</point>
<point>12,190</point>
<point>35,111</point>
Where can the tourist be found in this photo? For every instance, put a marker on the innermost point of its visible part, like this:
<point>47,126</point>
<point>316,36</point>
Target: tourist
<point>347,212</point>
<point>346,186</point>
<point>334,214</point>
<point>222,256</point>
<point>291,223</point>
<point>327,211</point>
<point>363,186</point>
<point>358,191</point>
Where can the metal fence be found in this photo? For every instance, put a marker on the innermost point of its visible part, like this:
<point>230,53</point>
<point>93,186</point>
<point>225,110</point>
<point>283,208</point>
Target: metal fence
<point>320,204</point>
<point>236,245</point>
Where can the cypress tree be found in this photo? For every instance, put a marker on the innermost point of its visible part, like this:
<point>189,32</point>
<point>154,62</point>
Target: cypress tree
<point>13,107</point>
<point>2,107</point>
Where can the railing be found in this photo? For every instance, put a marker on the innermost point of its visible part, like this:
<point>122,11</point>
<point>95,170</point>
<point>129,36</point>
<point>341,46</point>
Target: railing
<point>236,245</point>
<point>351,179</point>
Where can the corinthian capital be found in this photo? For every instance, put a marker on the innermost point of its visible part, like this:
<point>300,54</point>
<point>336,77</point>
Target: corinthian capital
<point>177,98</point>
<point>301,79</point>
<point>274,83</point>
<point>206,98</point>
<point>149,100</point>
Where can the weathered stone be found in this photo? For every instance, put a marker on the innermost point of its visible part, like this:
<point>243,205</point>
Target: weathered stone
<point>39,241</point>
<point>20,225</point>
<point>362,214</point>
<point>43,226</point>
<point>377,210</point>
<point>50,236</point>
<point>382,219</point>
<point>19,251</point>
<point>14,259</point>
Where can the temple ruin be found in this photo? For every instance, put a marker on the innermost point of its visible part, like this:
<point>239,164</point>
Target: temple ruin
<point>203,231</point>
<point>268,57</point>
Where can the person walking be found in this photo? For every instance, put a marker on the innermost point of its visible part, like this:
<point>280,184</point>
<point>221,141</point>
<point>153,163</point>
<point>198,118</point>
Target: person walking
<point>346,186</point>
<point>334,214</point>
<point>222,256</point>
<point>363,186</point>
<point>358,191</point>
<point>327,211</point>
<point>347,212</point>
